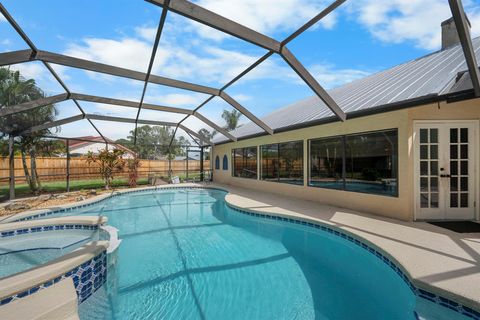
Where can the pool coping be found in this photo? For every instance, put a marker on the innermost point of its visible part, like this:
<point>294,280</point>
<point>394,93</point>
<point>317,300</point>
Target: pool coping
<point>28,282</point>
<point>435,293</point>
<point>73,222</point>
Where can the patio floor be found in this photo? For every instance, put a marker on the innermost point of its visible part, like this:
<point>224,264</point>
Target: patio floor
<point>436,259</point>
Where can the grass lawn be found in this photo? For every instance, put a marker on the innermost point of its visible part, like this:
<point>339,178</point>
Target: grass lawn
<point>22,190</point>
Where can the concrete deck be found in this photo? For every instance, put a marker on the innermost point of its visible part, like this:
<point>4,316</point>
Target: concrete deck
<point>436,259</point>
<point>57,302</point>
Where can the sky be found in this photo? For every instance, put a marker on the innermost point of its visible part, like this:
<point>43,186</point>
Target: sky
<point>360,38</point>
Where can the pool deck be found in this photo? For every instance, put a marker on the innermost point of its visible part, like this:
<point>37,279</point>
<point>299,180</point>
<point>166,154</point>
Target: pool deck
<point>436,259</point>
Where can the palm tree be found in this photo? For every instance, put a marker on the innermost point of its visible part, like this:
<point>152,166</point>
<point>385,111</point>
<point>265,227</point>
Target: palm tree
<point>231,118</point>
<point>14,89</point>
<point>207,135</point>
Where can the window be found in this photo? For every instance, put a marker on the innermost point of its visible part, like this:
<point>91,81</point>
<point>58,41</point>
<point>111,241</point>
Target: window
<point>366,162</point>
<point>217,163</point>
<point>371,162</point>
<point>326,163</point>
<point>225,162</point>
<point>283,162</point>
<point>245,162</point>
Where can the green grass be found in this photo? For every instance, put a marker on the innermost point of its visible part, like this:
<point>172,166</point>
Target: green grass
<point>22,190</point>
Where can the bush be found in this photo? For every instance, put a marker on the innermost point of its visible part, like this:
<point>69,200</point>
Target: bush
<point>109,161</point>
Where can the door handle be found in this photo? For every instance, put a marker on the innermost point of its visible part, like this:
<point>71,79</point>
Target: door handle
<point>444,176</point>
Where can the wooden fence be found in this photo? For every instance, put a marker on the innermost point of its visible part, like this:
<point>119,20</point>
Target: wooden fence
<point>55,169</point>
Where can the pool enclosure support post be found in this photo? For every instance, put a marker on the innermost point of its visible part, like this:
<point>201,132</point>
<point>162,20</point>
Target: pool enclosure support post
<point>11,166</point>
<point>169,166</point>
<point>202,176</point>
<point>67,145</point>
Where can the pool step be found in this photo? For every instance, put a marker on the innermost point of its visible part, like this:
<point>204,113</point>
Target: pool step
<point>57,302</point>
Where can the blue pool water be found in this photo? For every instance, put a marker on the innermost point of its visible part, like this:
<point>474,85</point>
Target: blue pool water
<point>23,252</point>
<point>186,255</point>
<point>365,187</point>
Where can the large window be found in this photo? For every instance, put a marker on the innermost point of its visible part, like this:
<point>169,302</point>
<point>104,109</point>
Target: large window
<point>245,162</point>
<point>365,162</point>
<point>283,162</point>
<point>326,163</point>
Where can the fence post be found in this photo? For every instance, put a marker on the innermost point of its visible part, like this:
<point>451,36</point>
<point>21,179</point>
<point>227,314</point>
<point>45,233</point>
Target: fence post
<point>11,165</point>
<point>187,165</point>
<point>202,176</point>
<point>68,164</point>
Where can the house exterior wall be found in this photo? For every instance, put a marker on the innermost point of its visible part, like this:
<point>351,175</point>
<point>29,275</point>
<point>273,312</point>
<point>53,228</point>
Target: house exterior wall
<point>401,207</point>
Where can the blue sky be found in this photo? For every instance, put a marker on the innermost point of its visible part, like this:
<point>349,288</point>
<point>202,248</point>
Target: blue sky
<point>362,37</point>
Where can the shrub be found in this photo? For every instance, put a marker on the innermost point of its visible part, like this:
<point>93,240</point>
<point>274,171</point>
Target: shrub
<point>110,162</point>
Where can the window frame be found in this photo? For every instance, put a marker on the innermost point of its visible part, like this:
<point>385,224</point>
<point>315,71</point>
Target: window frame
<point>260,154</point>
<point>232,171</point>
<point>344,142</point>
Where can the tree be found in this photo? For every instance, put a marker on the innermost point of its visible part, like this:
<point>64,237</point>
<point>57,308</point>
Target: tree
<point>153,142</point>
<point>231,118</point>
<point>110,162</point>
<point>207,135</point>
<point>14,89</point>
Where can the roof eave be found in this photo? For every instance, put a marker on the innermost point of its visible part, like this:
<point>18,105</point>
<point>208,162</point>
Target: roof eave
<point>405,104</point>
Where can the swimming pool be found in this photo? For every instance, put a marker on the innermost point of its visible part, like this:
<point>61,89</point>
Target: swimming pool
<point>186,255</point>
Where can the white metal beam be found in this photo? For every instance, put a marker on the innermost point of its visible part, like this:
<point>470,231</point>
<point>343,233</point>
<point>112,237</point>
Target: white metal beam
<point>244,111</point>
<point>120,72</point>
<point>8,110</point>
<point>128,103</point>
<point>312,83</point>
<point>215,126</point>
<point>13,57</point>
<point>55,123</point>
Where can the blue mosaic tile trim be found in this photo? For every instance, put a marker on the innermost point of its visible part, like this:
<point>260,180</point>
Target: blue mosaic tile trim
<point>48,213</point>
<point>435,298</point>
<point>87,278</point>
<point>22,231</point>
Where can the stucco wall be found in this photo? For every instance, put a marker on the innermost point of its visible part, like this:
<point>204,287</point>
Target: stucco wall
<point>400,207</point>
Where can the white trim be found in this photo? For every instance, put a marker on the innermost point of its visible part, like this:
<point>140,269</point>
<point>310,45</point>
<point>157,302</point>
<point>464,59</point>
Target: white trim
<point>476,166</point>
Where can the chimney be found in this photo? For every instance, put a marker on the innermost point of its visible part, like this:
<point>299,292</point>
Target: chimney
<point>449,33</point>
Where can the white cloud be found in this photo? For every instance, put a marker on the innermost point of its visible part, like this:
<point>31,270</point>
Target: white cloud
<point>30,70</point>
<point>130,53</point>
<point>242,97</point>
<point>418,21</point>
<point>176,99</point>
<point>330,77</point>
<point>266,16</point>
<point>2,18</point>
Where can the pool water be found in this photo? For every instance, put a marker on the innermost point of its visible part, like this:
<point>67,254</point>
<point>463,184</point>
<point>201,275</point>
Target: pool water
<point>365,187</point>
<point>186,255</point>
<point>23,252</point>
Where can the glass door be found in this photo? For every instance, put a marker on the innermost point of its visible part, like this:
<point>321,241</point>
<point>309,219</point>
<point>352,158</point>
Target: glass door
<point>444,171</point>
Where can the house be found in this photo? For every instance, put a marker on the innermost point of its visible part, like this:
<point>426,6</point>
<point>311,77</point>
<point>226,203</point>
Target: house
<point>94,144</point>
<point>409,148</point>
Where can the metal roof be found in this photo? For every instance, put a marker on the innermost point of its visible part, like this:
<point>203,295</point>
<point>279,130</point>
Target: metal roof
<point>436,74</point>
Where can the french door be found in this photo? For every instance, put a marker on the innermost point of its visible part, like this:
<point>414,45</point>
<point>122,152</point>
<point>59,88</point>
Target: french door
<point>445,170</point>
